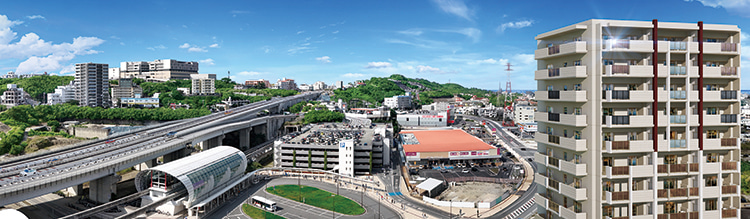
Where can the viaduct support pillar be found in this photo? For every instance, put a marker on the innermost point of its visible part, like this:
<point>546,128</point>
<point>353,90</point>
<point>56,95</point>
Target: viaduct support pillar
<point>244,138</point>
<point>175,155</point>
<point>101,190</point>
<point>77,190</point>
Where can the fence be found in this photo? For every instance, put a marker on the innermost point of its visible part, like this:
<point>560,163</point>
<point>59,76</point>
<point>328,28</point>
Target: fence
<point>448,203</point>
<point>482,179</point>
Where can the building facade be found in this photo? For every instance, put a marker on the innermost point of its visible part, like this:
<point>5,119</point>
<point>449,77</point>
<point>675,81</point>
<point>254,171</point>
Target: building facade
<point>286,84</point>
<point>15,96</point>
<point>92,84</point>
<point>319,85</point>
<point>398,102</point>
<point>258,83</point>
<point>638,119</point>
<point>158,70</point>
<point>125,88</point>
<point>62,94</point>
<point>203,86</point>
<point>523,113</point>
<point>139,102</point>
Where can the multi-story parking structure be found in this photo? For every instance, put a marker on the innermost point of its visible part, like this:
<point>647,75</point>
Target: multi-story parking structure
<point>638,119</point>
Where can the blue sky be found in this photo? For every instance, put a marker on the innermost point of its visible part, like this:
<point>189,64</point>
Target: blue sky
<point>465,42</point>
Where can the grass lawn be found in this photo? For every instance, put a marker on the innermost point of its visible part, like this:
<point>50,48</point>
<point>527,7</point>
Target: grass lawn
<point>318,198</point>
<point>257,213</point>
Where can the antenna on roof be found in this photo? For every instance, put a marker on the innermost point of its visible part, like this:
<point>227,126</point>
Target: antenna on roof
<point>230,78</point>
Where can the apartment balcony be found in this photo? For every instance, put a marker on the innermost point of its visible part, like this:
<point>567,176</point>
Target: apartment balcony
<point>730,190</point>
<point>711,167</point>
<point>676,169</point>
<point>720,120</point>
<point>569,212</point>
<point>565,96</point>
<point>636,146</point>
<point>730,166</point>
<point>616,197</point>
<point>627,121</point>
<point>678,71</point>
<point>681,215</point>
<point>627,96</point>
<point>573,168</point>
<point>721,72</point>
<point>711,191</point>
<point>729,213</point>
<point>672,194</point>
<point>542,201</point>
<point>721,48</point>
<point>560,73</point>
<point>724,95</point>
<point>720,143</point>
<point>563,142</point>
<point>628,171</point>
<point>578,194</point>
<point>541,180</point>
<point>620,45</point>
<point>646,71</point>
<point>560,50</point>
<point>642,195</point>
<point>562,119</point>
<point>541,159</point>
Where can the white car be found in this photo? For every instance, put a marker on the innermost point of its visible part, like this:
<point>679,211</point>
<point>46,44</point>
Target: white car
<point>465,171</point>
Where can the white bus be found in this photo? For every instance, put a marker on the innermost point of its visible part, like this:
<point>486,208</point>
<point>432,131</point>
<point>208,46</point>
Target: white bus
<point>263,203</point>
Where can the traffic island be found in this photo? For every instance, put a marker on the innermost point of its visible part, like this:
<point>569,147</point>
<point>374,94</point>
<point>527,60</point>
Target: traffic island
<point>257,213</point>
<point>318,198</point>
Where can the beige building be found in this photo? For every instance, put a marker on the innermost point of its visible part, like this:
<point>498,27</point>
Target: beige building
<point>638,119</point>
<point>125,88</point>
<point>203,86</point>
<point>92,84</point>
<point>158,70</point>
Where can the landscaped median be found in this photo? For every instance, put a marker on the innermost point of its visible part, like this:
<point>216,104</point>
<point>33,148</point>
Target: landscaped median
<point>318,198</point>
<point>257,213</point>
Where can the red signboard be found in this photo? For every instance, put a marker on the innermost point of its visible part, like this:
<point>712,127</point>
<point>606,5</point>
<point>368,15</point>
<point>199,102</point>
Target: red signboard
<point>464,153</point>
<point>432,116</point>
<point>454,154</point>
<point>411,153</point>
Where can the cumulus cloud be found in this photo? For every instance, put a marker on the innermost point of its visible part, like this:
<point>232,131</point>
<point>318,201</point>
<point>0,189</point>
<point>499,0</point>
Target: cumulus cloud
<point>208,61</point>
<point>515,25</point>
<point>427,69</point>
<point>32,17</point>
<point>455,7</point>
<point>249,73</point>
<point>185,46</point>
<point>324,59</point>
<point>215,45</point>
<point>378,65</point>
<point>41,55</point>
<point>353,75</point>
<point>154,48</point>
<point>739,7</point>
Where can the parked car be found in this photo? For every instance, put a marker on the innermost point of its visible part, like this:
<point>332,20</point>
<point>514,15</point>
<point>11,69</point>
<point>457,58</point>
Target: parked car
<point>465,170</point>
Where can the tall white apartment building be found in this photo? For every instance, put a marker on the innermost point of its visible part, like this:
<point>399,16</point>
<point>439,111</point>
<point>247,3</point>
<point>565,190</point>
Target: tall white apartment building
<point>203,86</point>
<point>92,84</point>
<point>638,119</point>
<point>319,85</point>
<point>398,102</point>
<point>62,94</point>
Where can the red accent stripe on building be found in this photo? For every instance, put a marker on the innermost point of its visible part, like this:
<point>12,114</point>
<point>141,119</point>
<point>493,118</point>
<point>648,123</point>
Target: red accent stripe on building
<point>700,85</point>
<point>655,85</point>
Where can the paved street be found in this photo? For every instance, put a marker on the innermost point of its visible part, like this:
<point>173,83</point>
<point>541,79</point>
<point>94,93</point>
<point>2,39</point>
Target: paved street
<point>295,210</point>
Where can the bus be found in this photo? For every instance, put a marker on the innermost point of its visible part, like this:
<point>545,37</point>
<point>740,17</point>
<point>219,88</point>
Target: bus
<point>263,203</point>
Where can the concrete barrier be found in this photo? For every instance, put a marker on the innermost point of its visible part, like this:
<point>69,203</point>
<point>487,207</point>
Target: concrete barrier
<point>483,205</point>
<point>448,203</point>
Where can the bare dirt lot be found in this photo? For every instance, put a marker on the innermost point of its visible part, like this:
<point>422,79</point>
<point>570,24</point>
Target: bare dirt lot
<point>473,191</point>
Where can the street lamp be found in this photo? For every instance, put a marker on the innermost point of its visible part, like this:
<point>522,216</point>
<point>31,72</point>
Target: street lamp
<point>333,208</point>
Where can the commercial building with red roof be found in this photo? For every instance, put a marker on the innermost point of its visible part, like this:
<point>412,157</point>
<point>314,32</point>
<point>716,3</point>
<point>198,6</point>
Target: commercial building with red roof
<point>446,146</point>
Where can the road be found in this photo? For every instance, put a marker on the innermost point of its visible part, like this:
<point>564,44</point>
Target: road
<point>295,210</point>
<point>526,153</point>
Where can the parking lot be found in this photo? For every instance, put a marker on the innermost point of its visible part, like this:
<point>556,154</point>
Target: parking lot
<point>503,172</point>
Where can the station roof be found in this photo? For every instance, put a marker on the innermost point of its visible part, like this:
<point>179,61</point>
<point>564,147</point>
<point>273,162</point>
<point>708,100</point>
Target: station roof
<point>444,141</point>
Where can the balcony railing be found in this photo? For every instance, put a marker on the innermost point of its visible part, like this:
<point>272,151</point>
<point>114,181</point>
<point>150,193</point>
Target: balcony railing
<point>621,44</point>
<point>677,143</point>
<point>693,167</point>
<point>728,47</point>
<point>621,94</point>
<point>728,70</point>
<point>620,69</point>
<point>728,213</point>
<point>623,170</point>
<point>620,195</point>
<point>617,120</point>
<point>677,94</point>
<point>554,162</point>
<point>729,166</point>
<point>728,95</point>
<point>678,168</point>
<point>555,117</point>
<point>620,145</point>
<point>729,118</point>
<point>553,94</point>
<point>677,70</point>
<point>553,49</point>
<point>729,142</point>
<point>677,119</point>
<point>553,72</point>
<point>729,190</point>
<point>677,46</point>
<point>554,139</point>
<point>693,192</point>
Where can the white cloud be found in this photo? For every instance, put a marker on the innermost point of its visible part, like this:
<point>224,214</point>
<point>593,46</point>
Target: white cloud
<point>41,55</point>
<point>114,37</point>
<point>300,32</point>
<point>739,7</point>
<point>197,49</point>
<point>266,49</point>
<point>410,32</point>
<point>516,25</point>
<point>208,61</point>
<point>185,46</point>
<point>743,37</point>
<point>249,73</point>
<point>158,47</point>
<point>378,65</point>
<point>324,59</point>
<point>470,32</point>
<point>299,49</point>
<point>335,32</point>
<point>427,69</point>
<point>32,17</point>
<point>455,7</point>
<point>484,61</point>
<point>215,45</point>
<point>184,26</point>
<point>353,75</point>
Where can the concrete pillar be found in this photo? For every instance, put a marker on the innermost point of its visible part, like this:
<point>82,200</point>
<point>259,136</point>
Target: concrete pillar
<point>213,142</point>
<point>244,138</point>
<point>101,190</point>
<point>75,190</point>
<point>175,155</point>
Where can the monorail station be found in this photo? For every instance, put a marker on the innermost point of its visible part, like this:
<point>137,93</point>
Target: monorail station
<point>198,183</point>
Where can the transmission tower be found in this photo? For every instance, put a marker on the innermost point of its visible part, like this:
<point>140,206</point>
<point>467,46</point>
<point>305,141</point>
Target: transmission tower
<point>507,87</point>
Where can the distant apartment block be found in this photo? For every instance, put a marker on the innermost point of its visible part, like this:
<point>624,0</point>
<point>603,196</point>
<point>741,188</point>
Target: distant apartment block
<point>139,102</point>
<point>92,84</point>
<point>125,88</point>
<point>12,74</point>
<point>340,84</point>
<point>305,87</point>
<point>257,83</point>
<point>638,119</point>
<point>158,70</point>
<point>15,96</point>
<point>286,84</point>
<point>319,85</point>
<point>114,73</point>
<point>62,94</point>
<point>523,112</point>
<point>398,102</point>
<point>203,86</point>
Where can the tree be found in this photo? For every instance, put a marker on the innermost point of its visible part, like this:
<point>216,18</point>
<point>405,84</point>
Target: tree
<point>54,125</point>
<point>72,102</point>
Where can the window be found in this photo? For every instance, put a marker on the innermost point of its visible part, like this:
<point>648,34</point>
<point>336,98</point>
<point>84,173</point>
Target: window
<point>577,87</point>
<point>712,158</point>
<point>712,134</point>
<point>577,63</point>
<point>607,162</point>
<point>632,136</point>
<point>565,133</point>
<point>565,110</point>
<point>711,40</point>
<point>711,181</point>
<point>632,161</point>
<point>670,183</point>
<point>632,111</point>
<point>711,205</point>
<point>712,87</point>
<point>549,109</point>
<point>577,111</point>
<point>577,134</point>
<point>632,87</point>
<point>607,136</point>
<point>712,111</point>
<point>565,87</point>
<point>607,111</point>
<point>670,159</point>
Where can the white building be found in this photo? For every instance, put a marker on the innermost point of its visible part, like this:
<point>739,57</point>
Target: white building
<point>62,94</point>
<point>158,70</point>
<point>114,73</point>
<point>319,85</point>
<point>524,112</point>
<point>340,84</point>
<point>203,86</point>
<point>286,84</point>
<point>92,84</point>
<point>304,87</point>
<point>398,102</point>
<point>638,119</point>
<point>125,88</point>
<point>15,96</point>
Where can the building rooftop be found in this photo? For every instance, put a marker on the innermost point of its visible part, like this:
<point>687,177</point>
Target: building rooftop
<point>442,141</point>
<point>331,133</point>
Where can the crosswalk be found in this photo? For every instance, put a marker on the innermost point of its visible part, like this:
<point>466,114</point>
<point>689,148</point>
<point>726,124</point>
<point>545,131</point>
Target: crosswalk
<point>520,210</point>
